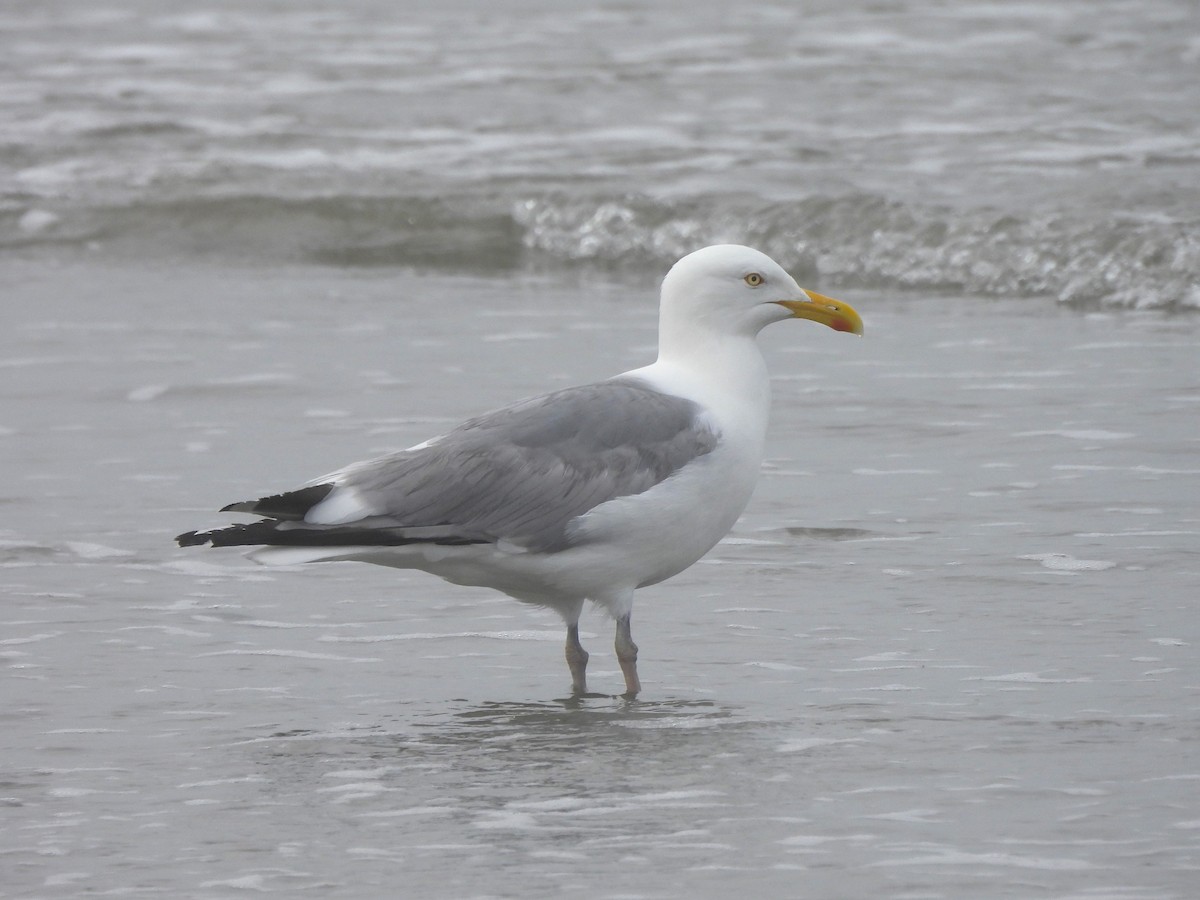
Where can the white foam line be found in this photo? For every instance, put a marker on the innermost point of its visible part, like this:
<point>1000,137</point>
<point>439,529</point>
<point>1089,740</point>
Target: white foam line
<point>432,636</point>
<point>295,654</point>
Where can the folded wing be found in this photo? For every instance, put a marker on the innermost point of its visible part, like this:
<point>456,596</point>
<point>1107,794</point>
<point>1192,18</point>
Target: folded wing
<point>519,475</point>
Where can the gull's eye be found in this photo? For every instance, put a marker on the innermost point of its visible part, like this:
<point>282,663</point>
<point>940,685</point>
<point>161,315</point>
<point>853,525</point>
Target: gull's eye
<point>753,279</point>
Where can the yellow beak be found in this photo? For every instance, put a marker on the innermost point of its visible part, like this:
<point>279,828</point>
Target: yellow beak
<point>837,315</point>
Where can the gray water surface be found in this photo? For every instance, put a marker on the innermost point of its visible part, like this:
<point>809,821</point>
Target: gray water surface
<point>949,651</point>
<point>1002,149</point>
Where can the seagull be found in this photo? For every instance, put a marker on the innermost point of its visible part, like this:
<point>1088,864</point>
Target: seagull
<point>583,494</point>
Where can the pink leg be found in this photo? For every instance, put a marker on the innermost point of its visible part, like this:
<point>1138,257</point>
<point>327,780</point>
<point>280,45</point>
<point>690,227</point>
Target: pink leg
<point>627,656</point>
<point>577,659</point>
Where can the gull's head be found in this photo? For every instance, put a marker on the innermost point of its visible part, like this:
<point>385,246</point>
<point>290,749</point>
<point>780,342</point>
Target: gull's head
<point>739,290</point>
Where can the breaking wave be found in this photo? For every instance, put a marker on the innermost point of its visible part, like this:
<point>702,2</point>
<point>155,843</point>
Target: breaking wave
<point>867,241</point>
<point>856,239</point>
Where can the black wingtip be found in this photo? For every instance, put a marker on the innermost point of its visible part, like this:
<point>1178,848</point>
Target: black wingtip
<point>191,539</point>
<point>290,505</point>
<point>285,507</point>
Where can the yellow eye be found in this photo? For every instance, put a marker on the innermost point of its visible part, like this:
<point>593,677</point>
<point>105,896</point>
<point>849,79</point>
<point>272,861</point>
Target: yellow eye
<point>753,279</point>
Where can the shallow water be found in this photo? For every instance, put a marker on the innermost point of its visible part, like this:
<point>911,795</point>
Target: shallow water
<point>949,651</point>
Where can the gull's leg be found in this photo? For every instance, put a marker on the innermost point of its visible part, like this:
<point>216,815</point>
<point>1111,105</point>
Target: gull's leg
<point>627,656</point>
<point>577,659</point>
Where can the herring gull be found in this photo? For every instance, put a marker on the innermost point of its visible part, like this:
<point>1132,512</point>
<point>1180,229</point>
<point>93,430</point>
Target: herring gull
<point>587,493</point>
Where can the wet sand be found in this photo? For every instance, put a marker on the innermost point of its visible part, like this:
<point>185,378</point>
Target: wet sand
<point>949,651</point>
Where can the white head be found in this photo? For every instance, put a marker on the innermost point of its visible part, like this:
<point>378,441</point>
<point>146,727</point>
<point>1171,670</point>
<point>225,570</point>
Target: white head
<point>729,290</point>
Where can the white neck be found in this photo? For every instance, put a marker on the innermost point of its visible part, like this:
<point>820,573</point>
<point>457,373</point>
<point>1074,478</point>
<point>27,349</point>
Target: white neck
<point>725,373</point>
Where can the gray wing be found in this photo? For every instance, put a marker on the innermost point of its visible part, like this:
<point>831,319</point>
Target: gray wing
<point>520,474</point>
